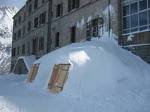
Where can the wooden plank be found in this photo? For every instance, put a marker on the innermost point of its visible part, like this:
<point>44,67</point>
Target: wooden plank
<point>58,78</point>
<point>33,73</point>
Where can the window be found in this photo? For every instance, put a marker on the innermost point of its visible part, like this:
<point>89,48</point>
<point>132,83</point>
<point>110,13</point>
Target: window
<point>149,3</point>
<point>73,4</point>
<point>94,28</point>
<point>24,16</point>
<point>18,50</point>
<point>41,43</point>
<point>73,34</point>
<point>134,8</point>
<point>14,52</point>
<point>35,4</point>
<point>134,20</point>
<point>19,34</point>
<point>28,50</point>
<point>138,18</point>
<point>23,49</point>
<point>19,20</point>
<point>24,30</point>
<point>149,16</point>
<point>142,4</point>
<point>15,22</point>
<point>34,46</point>
<point>126,22</point>
<point>59,11</point>
<point>143,18</point>
<point>30,9</point>
<point>57,39</point>
<point>29,0</point>
<point>126,10</point>
<point>42,18</point>
<point>43,1</point>
<point>58,78</point>
<point>15,36</point>
<point>36,22</point>
<point>29,25</point>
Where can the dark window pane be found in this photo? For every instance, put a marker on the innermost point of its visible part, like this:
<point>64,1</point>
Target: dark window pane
<point>134,8</point>
<point>126,10</point>
<point>59,11</point>
<point>143,4</point>
<point>149,16</point>
<point>57,39</point>
<point>143,18</point>
<point>134,20</point>
<point>143,28</point>
<point>126,22</point>
<point>149,3</point>
<point>134,29</point>
<point>126,31</point>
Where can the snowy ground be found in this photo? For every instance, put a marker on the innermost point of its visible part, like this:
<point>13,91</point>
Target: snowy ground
<point>103,78</point>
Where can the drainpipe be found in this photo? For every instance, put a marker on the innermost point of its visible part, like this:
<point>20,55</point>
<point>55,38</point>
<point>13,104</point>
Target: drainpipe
<point>49,40</point>
<point>109,18</point>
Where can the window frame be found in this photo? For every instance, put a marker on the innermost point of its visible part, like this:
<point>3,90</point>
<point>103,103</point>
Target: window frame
<point>130,30</point>
<point>59,10</point>
<point>73,4</point>
<point>41,43</point>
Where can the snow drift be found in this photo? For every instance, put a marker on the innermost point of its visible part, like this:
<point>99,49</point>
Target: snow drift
<point>103,77</point>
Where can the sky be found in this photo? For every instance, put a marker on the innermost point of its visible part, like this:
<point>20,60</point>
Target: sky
<point>16,3</point>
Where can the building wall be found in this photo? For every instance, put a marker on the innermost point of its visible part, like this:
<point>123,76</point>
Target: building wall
<point>78,17</point>
<point>81,15</point>
<point>139,45</point>
<point>137,42</point>
<point>34,33</point>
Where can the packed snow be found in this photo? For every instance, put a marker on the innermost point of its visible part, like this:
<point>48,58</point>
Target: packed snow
<point>103,78</point>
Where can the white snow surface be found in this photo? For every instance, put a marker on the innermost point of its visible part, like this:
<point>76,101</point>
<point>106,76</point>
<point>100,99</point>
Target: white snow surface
<point>103,78</point>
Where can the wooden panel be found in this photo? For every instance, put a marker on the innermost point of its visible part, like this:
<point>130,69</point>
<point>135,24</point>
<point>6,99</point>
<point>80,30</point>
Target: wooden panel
<point>58,78</point>
<point>33,72</point>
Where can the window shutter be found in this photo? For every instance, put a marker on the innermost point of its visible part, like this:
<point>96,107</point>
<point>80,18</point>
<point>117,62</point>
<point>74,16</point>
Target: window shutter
<point>58,78</point>
<point>33,72</point>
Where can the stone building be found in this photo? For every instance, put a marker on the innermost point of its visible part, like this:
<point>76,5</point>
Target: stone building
<point>136,27</point>
<point>30,32</point>
<point>42,26</point>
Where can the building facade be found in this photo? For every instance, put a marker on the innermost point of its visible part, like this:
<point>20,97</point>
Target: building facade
<point>30,31</point>
<point>42,26</point>
<point>136,27</point>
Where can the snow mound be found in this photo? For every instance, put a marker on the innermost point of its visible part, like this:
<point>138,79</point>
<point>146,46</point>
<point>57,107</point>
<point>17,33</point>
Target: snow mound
<point>103,77</point>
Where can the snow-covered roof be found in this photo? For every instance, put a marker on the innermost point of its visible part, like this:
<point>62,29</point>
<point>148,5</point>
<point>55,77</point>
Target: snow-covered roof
<point>28,60</point>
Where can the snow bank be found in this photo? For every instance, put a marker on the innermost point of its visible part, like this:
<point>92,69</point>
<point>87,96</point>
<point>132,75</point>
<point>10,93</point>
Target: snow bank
<point>103,77</point>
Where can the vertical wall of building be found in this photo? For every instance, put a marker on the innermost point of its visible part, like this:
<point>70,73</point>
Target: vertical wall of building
<point>45,25</point>
<point>136,27</point>
<point>78,18</point>
<point>30,30</point>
